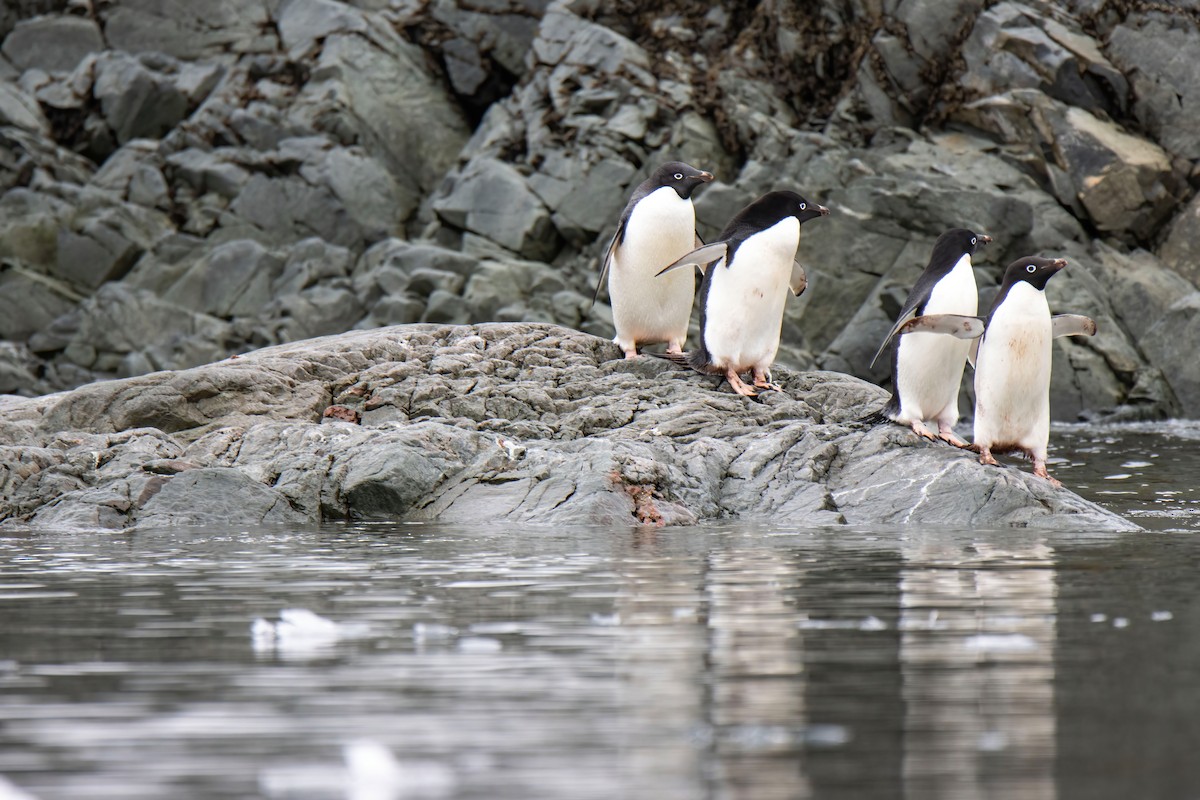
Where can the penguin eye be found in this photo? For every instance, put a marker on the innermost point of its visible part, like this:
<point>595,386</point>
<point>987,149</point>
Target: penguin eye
<point>678,176</point>
<point>1031,268</point>
<point>972,240</point>
<point>803,206</point>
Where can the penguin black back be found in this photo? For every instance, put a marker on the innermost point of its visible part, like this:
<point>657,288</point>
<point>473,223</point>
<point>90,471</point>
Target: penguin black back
<point>683,178</point>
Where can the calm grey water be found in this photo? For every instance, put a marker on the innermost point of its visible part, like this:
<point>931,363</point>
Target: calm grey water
<point>387,662</point>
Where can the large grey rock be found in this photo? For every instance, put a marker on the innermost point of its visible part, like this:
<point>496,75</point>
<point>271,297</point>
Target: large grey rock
<point>52,43</point>
<point>492,199</point>
<point>519,422</point>
<point>1158,51</point>
<point>190,30</point>
<point>136,101</point>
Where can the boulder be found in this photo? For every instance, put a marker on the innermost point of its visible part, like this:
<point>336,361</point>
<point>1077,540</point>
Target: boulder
<point>52,43</point>
<point>499,422</point>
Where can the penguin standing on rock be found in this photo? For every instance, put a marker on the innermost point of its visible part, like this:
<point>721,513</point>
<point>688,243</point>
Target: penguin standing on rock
<point>657,226</point>
<point>1012,364</point>
<point>927,368</point>
<point>750,270</point>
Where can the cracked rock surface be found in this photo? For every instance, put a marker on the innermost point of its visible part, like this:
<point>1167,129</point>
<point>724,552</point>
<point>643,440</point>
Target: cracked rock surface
<point>518,422</point>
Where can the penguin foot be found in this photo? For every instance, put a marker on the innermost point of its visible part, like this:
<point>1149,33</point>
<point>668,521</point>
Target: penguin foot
<point>762,380</point>
<point>1039,470</point>
<point>919,429</point>
<point>950,438</point>
<point>985,457</point>
<point>738,385</point>
<point>631,353</point>
<point>774,387</point>
<point>674,349</point>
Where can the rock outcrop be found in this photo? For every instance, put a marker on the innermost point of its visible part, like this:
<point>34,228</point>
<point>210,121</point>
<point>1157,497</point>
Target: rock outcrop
<point>514,422</point>
<point>180,183</point>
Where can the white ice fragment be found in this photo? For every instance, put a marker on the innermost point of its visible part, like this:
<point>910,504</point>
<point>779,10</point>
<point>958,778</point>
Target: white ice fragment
<point>1161,616</point>
<point>1120,622</point>
<point>10,791</point>
<point>1118,477</point>
<point>375,774</point>
<point>1136,464</point>
<point>479,644</point>
<point>827,735</point>
<point>301,633</point>
<point>1099,617</point>
<point>872,624</point>
<point>433,631</point>
<point>606,620</point>
<point>992,741</point>
<point>1000,642</point>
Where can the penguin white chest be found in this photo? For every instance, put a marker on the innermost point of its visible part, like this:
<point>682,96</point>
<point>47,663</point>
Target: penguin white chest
<point>745,300</point>
<point>660,230</point>
<point>929,366</point>
<point>1012,374</point>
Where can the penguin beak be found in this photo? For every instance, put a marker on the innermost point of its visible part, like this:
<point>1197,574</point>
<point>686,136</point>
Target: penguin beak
<point>704,176</point>
<point>1058,263</point>
<point>985,239</point>
<point>823,211</point>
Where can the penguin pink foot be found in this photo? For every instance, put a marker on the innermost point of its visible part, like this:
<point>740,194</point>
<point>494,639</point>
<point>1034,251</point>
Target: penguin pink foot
<point>1039,469</point>
<point>762,380</point>
<point>986,457</point>
<point>946,434</point>
<point>738,385</point>
<point>919,429</point>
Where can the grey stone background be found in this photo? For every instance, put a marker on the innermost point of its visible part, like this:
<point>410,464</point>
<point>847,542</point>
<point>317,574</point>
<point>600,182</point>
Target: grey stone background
<point>184,181</point>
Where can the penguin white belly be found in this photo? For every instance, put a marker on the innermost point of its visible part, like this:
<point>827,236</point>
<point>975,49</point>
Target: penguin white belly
<point>743,313</point>
<point>930,366</point>
<point>646,309</point>
<point>1012,374</point>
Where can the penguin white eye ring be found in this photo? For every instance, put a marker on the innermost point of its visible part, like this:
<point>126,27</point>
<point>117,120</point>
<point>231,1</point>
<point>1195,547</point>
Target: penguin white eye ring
<point>972,240</point>
<point>803,206</point>
<point>1031,268</point>
<point>678,176</point>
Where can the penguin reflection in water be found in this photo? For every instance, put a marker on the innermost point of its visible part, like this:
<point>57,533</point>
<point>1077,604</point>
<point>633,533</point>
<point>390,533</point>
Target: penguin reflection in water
<point>750,269</point>
<point>1012,364</point>
<point>926,368</point>
<point>657,226</point>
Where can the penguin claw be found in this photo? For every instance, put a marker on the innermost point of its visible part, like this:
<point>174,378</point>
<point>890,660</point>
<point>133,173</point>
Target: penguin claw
<point>950,438</point>
<point>923,432</point>
<point>987,458</point>
<point>1039,470</point>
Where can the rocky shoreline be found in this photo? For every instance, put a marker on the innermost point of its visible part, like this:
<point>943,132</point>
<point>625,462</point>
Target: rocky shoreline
<point>515,422</point>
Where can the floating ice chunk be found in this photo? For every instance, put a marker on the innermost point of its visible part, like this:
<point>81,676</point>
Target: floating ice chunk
<point>1099,617</point>
<point>1120,622</point>
<point>370,772</point>
<point>1136,464</point>
<point>1000,642</point>
<point>607,620</point>
<point>10,791</point>
<point>1161,616</point>
<point>479,644</point>
<point>992,741</point>
<point>433,631</point>
<point>301,633</point>
<point>375,774</point>
<point>872,624</point>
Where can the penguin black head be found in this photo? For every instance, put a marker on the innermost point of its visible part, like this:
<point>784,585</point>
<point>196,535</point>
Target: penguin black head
<point>1033,270</point>
<point>954,244</point>
<point>683,178</point>
<point>771,208</point>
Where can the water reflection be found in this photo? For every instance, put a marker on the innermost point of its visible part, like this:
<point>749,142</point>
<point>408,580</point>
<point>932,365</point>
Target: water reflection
<point>721,662</point>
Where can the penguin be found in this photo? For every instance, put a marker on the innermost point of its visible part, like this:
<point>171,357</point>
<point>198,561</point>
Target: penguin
<point>749,271</point>
<point>657,226</point>
<point>1012,364</point>
<point>927,368</point>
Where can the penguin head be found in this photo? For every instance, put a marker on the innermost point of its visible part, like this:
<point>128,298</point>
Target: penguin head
<point>1033,270</point>
<point>954,244</point>
<point>775,206</point>
<point>683,178</point>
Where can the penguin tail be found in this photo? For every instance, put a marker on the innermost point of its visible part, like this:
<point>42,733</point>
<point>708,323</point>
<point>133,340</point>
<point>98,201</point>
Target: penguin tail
<point>882,415</point>
<point>695,359</point>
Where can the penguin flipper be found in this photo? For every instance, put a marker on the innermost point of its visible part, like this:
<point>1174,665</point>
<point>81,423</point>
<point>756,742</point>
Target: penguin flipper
<point>608,257</point>
<point>904,318</point>
<point>700,257</point>
<point>1072,325</point>
<point>973,353</point>
<point>798,281</point>
<point>956,325</point>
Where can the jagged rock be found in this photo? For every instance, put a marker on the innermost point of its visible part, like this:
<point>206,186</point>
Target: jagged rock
<point>1170,345</point>
<point>493,199</point>
<point>515,422</point>
<point>233,279</point>
<point>189,31</point>
<point>136,101</point>
<point>19,109</point>
<point>52,43</point>
<point>1157,51</point>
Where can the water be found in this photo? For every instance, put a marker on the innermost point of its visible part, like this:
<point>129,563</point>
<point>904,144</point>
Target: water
<point>388,662</point>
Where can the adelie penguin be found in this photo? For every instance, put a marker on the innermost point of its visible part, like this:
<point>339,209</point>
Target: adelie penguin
<point>927,368</point>
<point>750,270</point>
<point>1012,364</point>
<point>657,226</point>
